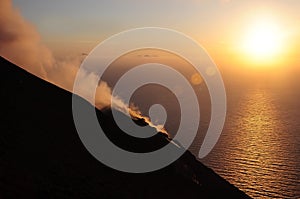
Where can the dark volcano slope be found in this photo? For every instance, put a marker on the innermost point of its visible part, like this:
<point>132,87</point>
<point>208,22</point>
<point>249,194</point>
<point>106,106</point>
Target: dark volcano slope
<point>41,155</point>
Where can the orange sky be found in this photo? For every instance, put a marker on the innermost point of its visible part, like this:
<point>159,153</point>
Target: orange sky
<point>221,26</point>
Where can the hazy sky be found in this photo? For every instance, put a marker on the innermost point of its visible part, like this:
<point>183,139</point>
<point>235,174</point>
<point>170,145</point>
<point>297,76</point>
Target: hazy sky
<point>219,25</point>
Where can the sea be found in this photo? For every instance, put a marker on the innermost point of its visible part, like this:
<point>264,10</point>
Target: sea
<point>259,148</point>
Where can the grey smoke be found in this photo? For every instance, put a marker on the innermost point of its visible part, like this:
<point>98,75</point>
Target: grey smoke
<point>20,43</point>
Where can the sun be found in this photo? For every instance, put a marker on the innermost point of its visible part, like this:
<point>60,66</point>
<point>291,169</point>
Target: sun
<point>263,40</point>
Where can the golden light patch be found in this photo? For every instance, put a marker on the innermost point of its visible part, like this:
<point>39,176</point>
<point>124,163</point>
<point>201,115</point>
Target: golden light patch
<point>196,79</point>
<point>263,40</point>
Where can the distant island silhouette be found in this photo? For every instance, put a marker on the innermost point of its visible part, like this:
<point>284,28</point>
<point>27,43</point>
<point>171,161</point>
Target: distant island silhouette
<point>42,155</point>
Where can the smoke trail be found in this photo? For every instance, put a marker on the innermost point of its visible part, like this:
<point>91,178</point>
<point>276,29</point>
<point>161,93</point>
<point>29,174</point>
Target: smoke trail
<point>21,44</point>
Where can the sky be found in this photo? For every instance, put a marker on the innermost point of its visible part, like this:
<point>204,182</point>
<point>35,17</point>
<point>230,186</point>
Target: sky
<point>246,39</point>
<point>251,42</point>
<point>219,25</point>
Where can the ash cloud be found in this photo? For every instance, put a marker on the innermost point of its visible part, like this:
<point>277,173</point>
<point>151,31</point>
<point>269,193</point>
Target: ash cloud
<point>21,44</point>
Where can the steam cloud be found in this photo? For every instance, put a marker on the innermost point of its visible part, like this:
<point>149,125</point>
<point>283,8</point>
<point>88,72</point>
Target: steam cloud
<point>21,44</point>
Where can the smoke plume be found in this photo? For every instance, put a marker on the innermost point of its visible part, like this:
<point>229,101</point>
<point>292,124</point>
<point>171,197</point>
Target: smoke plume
<point>21,44</point>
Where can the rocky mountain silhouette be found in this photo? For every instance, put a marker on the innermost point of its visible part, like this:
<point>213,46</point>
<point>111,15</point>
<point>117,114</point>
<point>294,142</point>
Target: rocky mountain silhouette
<point>42,156</point>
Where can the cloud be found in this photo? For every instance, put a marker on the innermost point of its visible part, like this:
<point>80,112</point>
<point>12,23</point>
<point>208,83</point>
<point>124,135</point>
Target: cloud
<point>21,43</point>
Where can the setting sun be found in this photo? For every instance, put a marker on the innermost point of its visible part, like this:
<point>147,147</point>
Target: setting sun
<point>263,40</point>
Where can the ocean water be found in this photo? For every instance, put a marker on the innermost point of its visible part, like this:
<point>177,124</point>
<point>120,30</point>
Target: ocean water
<point>259,148</point>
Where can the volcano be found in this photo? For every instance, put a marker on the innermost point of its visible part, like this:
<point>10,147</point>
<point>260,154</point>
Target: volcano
<point>42,156</point>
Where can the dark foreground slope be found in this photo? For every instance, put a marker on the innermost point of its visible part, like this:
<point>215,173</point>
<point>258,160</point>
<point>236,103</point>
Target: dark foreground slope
<point>41,155</point>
